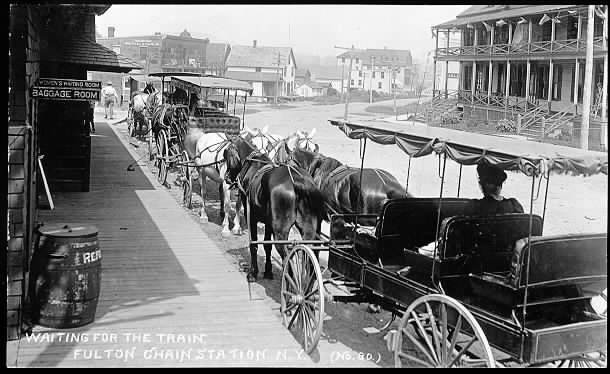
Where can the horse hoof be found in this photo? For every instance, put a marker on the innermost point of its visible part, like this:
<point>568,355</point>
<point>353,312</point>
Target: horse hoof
<point>268,275</point>
<point>237,231</point>
<point>203,218</point>
<point>226,232</point>
<point>251,277</point>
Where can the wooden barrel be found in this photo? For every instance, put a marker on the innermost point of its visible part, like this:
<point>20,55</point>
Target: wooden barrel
<point>65,276</point>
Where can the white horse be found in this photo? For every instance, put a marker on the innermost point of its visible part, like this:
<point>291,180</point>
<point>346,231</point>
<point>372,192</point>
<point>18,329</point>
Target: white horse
<point>206,150</point>
<point>269,144</point>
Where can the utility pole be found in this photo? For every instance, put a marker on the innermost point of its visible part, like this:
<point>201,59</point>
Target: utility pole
<point>586,101</point>
<point>394,90</point>
<point>349,76</point>
<point>371,80</point>
<point>277,78</point>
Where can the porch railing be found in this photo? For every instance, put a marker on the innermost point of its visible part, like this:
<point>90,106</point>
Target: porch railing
<point>538,47</point>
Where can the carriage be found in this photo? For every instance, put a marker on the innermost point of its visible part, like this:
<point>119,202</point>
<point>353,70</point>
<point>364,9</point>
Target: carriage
<point>495,291</point>
<point>209,100</point>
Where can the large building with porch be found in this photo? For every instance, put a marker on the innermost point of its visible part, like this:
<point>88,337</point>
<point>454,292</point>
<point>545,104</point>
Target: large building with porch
<point>523,63</point>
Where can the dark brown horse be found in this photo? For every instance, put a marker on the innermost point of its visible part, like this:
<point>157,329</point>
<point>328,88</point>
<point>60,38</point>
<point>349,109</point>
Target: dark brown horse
<point>279,196</point>
<point>341,185</point>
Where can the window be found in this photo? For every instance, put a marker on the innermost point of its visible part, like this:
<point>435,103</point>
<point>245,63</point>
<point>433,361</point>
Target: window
<point>258,70</point>
<point>382,75</point>
<point>546,30</point>
<point>126,83</point>
<point>501,34</point>
<point>343,60</point>
<point>359,82</point>
<point>557,71</point>
<point>143,52</point>
<point>466,83</point>
<point>373,74</point>
<point>468,37</point>
<point>357,60</point>
<point>351,82</point>
<point>517,78</point>
<point>360,73</point>
<point>572,26</point>
<point>379,85</point>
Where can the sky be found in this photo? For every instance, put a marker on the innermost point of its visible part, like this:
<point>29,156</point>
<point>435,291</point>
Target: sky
<point>308,29</point>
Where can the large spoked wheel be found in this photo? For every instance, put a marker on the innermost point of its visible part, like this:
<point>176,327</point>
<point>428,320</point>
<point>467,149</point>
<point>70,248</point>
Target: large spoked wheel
<point>187,182</point>
<point>449,336</point>
<point>151,154</point>
<point>302,297</point>
<point>162,156</point>
<point>589,360</point>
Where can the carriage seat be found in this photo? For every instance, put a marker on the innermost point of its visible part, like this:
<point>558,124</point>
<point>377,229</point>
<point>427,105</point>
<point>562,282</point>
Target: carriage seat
<point>567,261</point>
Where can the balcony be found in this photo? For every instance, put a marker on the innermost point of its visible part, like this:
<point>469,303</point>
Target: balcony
<point>526,50</point>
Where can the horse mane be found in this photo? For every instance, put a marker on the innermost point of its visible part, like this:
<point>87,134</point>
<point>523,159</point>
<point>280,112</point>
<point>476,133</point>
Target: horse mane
<point>307,191</point>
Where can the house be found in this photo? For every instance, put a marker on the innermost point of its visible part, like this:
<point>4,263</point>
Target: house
<point>312,88</point>
<point>270,70</point>
<point>330,75</point>
<point>379,69</point>
<point>525,63</point>
<point>301,76</point>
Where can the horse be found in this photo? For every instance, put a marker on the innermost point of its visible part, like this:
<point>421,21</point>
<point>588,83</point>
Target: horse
<point>345,192</point>
<point>137,107</point>
<point>280,196</point>
<point>272,144</point>
<point>206,150</point>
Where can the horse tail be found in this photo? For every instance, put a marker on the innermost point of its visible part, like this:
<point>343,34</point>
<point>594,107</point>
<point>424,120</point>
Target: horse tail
<point>306,191</point>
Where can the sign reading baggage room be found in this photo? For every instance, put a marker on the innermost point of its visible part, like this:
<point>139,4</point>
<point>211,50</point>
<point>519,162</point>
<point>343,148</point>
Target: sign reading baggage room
<point>66,89</point>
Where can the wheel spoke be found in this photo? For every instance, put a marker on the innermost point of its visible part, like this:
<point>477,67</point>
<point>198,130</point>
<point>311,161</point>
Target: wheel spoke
<point>433,326</point>
<point>444,352</point>
<point>289,308</point>
<point>456,332</point>
<point>421,348</point>
<point>462,351</point>
<point>296,313</point>
<point>424,334</point>
<point>415,359</point>
<point>291,281</point>
<point>313,305</point>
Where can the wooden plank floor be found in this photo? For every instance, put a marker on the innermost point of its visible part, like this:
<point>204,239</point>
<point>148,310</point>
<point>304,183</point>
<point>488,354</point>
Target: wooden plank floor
<point>168,295</point>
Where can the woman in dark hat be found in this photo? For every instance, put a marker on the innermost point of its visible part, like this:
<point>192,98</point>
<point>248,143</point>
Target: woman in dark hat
<point>491,179</point>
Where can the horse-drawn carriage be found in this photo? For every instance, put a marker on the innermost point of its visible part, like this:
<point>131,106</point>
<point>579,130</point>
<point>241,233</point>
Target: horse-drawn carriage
<point>494,291</point>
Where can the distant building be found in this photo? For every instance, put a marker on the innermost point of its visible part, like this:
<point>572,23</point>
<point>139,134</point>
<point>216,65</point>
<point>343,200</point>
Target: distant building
<point>265,68</point>
<point>328,75</point>
<point>312,88</point>
<point>302,75</point>
<point>382,69</point>
<point>217,55</point>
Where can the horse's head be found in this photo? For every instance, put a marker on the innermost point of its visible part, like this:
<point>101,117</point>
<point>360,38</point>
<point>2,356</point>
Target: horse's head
<point>149,88</point>
<point>302,140</point>
<point>235,154</point>
<point>306,159</point>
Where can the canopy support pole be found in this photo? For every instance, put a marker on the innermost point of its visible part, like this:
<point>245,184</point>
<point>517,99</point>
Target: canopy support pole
<point>235,102</point>
<point>438,217</point>
<point>546,194</point>
<point>243,115</point>
<point>527,270</point>
<point>361,205</point>
<point>459,181</point>
<point>408,173</point>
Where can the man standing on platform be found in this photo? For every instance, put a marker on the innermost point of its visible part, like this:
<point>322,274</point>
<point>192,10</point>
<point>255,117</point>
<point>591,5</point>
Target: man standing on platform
<point>109,97</point>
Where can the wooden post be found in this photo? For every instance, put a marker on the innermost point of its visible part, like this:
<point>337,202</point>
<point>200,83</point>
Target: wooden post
<point>447,67</point>
<point>474,66</point>
<point>529,36</point>
<point>518,124</point>
<point>527,83</point>
<point>349,79</point>
<point>588,87</point>
<point>550,91</point>
<point>434,66</point>
<point>371,80</point>
<point>552,33</point>
<point>507,87</point>
<point>543,128</point>
<point>605,79</point>
<point>490,75</point>
<point>576,81</point>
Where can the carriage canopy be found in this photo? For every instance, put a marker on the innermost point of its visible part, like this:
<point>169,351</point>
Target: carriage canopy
<point>209,81</point>
<point>470,148</point>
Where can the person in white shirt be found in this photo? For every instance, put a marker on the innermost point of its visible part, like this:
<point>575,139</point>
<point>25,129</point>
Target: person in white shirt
<point>109,97</point>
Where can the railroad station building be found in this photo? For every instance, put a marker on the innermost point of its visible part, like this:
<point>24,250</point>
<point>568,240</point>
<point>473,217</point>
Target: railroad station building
<point>48,142</point>
<point>523,63</point>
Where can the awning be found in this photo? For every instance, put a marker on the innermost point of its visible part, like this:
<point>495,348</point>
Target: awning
<point>196,83</point>
<point>93,56</point>
<point>468,148</point>
<point>503,14</point>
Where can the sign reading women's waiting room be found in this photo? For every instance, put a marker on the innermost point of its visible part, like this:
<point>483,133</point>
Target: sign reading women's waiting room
<point>66,89</point>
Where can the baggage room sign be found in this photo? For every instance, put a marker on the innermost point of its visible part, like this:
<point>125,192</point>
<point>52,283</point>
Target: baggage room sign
<point>66,89</point>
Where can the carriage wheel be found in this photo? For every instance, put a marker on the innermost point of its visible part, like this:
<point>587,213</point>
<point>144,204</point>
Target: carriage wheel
<point>451,336</point>
<point>588,360</point>
<point>162,157</point>
<point>302,296</point>
<point>151,155</point>
<point>187,183</point>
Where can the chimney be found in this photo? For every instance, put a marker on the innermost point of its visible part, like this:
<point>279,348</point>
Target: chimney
<point>254,43</point>
<point>110,31</point>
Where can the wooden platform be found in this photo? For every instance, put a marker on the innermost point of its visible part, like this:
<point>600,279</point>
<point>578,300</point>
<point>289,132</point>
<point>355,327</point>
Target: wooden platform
<point>168,297</point>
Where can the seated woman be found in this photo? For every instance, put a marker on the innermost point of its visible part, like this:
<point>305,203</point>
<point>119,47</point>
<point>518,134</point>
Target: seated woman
<point>491,179</point>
